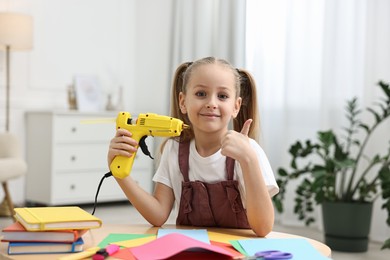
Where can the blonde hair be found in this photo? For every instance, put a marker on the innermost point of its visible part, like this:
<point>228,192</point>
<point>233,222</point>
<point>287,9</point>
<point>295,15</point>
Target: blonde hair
<point>245,88</point>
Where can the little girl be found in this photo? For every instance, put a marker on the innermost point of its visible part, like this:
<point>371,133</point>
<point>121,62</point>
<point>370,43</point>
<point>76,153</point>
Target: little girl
<point>212,175</point>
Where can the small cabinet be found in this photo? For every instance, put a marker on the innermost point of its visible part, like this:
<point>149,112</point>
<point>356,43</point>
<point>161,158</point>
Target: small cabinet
<point>67,157</point>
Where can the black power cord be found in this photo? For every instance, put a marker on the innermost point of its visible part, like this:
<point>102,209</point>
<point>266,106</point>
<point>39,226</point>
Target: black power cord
<point>144,149</point>
<point>144,146</point>
<point>108,174</point>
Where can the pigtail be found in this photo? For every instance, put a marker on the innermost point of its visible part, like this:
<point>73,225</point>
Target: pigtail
<point>177,87</point>
<point>249,107</point>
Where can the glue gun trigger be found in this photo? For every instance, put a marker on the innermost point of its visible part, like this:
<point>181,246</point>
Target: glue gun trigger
<point>144,147</point>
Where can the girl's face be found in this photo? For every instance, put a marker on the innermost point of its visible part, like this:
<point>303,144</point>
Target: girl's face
<point>210,101</point>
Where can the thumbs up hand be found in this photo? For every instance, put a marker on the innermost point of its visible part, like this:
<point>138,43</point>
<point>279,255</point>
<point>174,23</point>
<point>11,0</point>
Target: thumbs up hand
<point>247,126</point>
<point>236,145</point>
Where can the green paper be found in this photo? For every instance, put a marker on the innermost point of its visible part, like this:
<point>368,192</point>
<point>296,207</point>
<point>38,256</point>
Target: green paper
<point>236,244</point>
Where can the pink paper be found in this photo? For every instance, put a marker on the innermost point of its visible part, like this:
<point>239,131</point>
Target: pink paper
<point>172,244</point>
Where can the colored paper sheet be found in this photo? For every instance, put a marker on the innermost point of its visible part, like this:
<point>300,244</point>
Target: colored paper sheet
<point>198,234</point>
<point>223,238</point>
<point>299,247</point>
<point>199,255</point>
<point>135,242</point>
<point>238,247</point>
<point>236,254</point>
<point>114,237</point>
<point>172,244</point>
<point>124,254</point>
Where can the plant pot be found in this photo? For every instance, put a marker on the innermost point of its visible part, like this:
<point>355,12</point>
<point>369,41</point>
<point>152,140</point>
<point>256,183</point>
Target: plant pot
<point>347,225</point>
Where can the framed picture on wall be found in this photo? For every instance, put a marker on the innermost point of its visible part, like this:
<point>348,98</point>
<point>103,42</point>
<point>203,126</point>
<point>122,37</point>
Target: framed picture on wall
<point>88,93</point>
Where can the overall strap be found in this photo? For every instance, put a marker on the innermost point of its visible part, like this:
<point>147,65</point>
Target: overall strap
<point>230,168</point>
<point>184,153</point>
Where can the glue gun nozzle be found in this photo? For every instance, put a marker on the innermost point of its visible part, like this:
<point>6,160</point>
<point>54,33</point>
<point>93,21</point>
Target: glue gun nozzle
<point>186,126</point>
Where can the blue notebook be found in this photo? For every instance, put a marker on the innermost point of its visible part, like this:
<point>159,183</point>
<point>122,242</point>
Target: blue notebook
<point>19,248</point>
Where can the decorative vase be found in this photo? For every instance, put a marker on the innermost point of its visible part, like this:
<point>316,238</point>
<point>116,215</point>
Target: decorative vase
<point>347,225</point>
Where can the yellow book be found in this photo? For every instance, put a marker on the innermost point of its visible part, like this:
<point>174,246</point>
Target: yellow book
<point>56,218</point>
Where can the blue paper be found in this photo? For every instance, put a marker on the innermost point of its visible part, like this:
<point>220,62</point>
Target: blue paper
<point>299,247</point>
<point>198,234</point>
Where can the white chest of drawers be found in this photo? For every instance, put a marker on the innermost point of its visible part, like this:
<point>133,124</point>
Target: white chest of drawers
<point>67,158</point>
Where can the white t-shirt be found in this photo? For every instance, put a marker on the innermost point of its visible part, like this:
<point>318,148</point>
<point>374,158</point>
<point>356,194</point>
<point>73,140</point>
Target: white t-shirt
<point>209,169</point>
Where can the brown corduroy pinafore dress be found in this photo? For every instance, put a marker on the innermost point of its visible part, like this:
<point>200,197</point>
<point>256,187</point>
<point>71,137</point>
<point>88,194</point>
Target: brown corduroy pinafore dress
<point>210,205</point>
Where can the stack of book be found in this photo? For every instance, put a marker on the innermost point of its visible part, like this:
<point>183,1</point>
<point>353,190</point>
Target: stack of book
<point>48,230</point>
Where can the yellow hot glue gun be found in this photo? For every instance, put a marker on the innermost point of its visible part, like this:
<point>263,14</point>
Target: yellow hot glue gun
<point>146,124</point>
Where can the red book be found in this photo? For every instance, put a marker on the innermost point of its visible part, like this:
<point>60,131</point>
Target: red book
<point>17,233</point>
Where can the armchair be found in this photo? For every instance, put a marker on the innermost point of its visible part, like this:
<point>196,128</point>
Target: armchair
<point>12,165</point>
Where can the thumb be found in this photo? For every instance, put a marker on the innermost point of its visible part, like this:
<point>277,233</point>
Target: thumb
<point>246,127</point>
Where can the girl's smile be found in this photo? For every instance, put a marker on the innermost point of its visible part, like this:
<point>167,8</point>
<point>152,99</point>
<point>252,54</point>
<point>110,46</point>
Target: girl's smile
<point>210,115</point>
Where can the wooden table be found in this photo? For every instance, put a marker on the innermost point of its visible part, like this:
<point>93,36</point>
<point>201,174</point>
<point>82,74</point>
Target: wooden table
<point>95,236</point>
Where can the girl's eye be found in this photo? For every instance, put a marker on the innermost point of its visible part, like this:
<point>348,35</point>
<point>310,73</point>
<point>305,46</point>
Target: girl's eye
<point>200,94</point>
<point>223,96</point>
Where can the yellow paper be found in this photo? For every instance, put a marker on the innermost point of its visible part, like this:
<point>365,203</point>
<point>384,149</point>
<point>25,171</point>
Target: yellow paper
<point>134,242</point>
<point>223,238</point>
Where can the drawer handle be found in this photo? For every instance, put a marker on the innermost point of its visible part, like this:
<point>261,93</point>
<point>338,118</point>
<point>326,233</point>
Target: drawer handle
<point>73,158</point>
<point>74,129</point>
<point>72,187</point>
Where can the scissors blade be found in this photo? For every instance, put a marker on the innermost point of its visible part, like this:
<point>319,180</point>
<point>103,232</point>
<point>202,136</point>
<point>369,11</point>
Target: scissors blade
<point>273,255</point>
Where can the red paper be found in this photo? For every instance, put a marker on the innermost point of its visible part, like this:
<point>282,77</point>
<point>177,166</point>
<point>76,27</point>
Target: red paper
<point>124,254</point>
<point>228,247</point>
<point>173,244</point>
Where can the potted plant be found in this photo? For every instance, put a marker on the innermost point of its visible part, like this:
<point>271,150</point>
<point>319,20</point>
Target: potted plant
<point>336,172</point>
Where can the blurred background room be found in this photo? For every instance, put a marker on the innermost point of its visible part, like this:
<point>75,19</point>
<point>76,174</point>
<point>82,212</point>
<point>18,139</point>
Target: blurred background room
<point>89,59</point>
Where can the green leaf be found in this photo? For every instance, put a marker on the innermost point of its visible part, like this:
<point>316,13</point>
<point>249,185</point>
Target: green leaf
<point>309,221</point>
<point>319,172</point>
<point>376,159</point>
<point>386,244</point>
<point>282,172</point>
<point>365,127</point>
<point>326,138</point>
<point>376,115</point>
<point>294,164</point>
<point>384,176</point>
<point>295,148</point>
<point>385,87</point>
<point>346,163</point>
<point>278,205</point>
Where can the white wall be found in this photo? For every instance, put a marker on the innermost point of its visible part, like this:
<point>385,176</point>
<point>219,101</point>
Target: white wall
<point>153,42</point>
<point>122,42</point>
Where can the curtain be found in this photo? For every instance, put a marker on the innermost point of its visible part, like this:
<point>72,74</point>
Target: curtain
<point>203,28</point>
<point>309,57</point>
